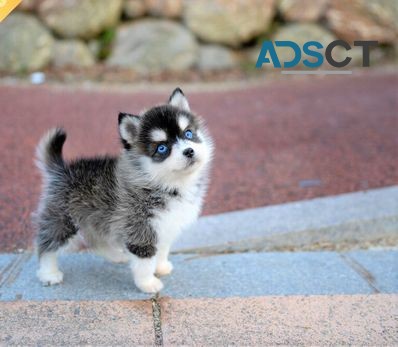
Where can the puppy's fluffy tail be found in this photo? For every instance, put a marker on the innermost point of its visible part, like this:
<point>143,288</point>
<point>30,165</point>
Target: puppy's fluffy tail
<point>49,150</point>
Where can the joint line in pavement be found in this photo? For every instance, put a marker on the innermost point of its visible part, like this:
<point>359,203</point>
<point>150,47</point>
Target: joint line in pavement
<point>157,323</point>
<point>10,272</point>
<point>361,271</point>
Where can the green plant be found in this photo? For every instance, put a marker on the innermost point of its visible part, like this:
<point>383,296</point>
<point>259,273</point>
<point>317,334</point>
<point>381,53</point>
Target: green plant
<point>105,43</point>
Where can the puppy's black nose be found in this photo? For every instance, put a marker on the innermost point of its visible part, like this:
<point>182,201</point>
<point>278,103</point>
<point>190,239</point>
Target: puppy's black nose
<point>188,152</point>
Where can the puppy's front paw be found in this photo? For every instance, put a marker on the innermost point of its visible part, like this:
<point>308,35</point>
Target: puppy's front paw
<point>151,285</point>
<point>50,278</point>
<point>164,268</point>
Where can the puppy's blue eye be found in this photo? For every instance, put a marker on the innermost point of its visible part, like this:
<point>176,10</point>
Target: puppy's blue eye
<point>162,149</point>
<point>188,134</point>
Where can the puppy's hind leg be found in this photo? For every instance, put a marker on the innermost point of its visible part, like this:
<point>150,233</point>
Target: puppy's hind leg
<point>54,232</point>
<point>112,254</point>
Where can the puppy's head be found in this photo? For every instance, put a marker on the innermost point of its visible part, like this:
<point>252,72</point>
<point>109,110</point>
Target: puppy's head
<point>170,143</point>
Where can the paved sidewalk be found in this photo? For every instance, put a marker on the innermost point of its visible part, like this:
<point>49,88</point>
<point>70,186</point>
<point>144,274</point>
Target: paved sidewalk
<point>306,139</point>
<point>369,320</point>
<point>260,298</point>
<point>361,320</point>
<point>76,323</point>
<point>88,277</point>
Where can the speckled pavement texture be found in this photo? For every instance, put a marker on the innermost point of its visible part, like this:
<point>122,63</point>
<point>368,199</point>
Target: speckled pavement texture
<point>361,320</point>
<point>369,320</point>
<point>284,141</point>
<point>70,323</point>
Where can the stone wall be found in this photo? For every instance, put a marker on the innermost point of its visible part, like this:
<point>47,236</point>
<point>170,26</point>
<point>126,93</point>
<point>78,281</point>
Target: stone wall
<point>159,35</point>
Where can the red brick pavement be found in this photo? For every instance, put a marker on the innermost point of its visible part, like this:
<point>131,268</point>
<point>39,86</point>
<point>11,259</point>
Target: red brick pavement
<point>290,140</point>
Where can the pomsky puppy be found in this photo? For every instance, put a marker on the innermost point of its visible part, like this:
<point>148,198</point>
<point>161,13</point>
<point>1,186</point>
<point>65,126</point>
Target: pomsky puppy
<point>131,207</point>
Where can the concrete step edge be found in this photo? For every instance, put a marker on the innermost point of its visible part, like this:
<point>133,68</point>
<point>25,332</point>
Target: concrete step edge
<point>353,219</point>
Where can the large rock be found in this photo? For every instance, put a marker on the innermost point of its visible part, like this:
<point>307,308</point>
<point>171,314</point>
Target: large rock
<point>302,10</point>
<point>164,8</point>
<point>156,8</point>
<point>230,22</point>
<point>215,57</point>
<point>364,19</point>
<point>151,45</point>
<point>27,5</point>
<point>94,47</point>
<point>72,53</point>
<point>134,8</point>
<point>25,44</point>
<point>300,33</point>
<point>79,18</point>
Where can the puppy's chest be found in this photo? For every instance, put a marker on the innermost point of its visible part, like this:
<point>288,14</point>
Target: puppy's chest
<point>179,212</point>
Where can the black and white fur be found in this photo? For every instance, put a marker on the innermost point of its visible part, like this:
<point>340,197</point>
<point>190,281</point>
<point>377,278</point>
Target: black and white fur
<point>128,208</point>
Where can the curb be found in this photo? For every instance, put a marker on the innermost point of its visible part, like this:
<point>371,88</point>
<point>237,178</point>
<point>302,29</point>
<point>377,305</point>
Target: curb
<point>277,320</point>
<point>354,220</point>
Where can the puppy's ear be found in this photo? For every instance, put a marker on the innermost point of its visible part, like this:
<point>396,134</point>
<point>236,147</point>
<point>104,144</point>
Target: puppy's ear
<point>178,99</point>
<point>128,128</point>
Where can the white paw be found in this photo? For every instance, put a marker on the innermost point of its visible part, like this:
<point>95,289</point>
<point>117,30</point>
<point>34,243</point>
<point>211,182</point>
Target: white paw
<point>151,285</point>
<point>164,268</point>
<point>50,278</point>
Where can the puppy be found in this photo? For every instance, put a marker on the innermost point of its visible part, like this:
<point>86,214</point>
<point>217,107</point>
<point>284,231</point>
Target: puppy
<point>128,208</point>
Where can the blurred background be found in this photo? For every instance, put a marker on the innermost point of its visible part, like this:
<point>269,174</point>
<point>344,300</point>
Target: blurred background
<point>193,40</point>
<point>279,138</point>
<point>300,260</point>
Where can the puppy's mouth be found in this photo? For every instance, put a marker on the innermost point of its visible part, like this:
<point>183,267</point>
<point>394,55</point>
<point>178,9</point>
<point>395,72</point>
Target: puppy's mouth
<point>191,164</point>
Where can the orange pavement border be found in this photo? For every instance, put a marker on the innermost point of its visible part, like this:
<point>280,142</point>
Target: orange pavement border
<point>286,320</point>
<point>270,320</point>
<point>68,323</point>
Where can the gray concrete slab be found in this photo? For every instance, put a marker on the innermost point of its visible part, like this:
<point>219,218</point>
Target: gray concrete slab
<point>5,261</point>
<point>257,274</point>
<point>381,268</point>
<point>10,267</point>
<point>88,277</point>
<point>354,218</point>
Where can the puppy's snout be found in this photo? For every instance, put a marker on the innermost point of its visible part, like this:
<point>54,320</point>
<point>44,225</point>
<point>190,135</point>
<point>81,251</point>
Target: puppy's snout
<point>188,152</point>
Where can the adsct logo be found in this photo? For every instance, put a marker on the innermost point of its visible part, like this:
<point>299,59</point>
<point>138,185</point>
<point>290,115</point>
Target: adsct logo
<point>6,6</point>
<point>268,55</point>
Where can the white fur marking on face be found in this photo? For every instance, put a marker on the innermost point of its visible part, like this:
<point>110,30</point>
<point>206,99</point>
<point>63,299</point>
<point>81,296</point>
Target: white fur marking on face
<point>158,135</point>
<point>183,122</point>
